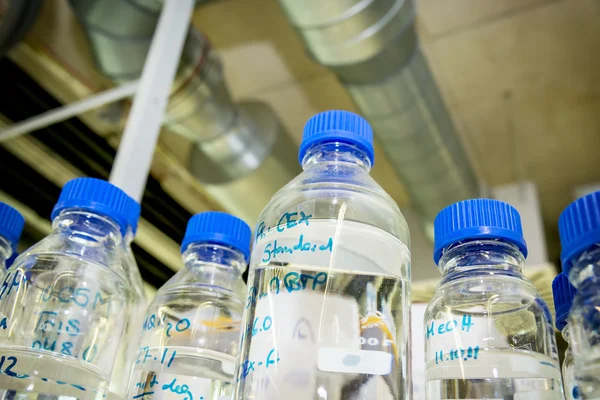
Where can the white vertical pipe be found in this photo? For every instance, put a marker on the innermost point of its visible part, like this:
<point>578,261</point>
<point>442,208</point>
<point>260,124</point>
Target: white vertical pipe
<point>134,157</point>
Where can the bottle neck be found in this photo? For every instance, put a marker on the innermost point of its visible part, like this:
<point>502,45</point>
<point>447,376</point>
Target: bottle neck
<point>5,251</point>
<point>585,269</point>
<point>489,256</point>
<point>210,255</point>
<point>128,238</point>
<point>566,334</point>
<point>336,152</point>
<point>572,344</point>
<point>88,228</point>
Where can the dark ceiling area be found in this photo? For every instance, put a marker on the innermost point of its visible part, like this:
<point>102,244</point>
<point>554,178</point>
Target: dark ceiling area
<point>74,142</point>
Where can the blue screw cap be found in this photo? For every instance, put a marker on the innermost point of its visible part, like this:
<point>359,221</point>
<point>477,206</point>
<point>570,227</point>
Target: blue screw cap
<point>220,228</point>
<point>338,126</point>
<point>477,219</point>
<point>133,213</point>
<point>10,260</point>
<point>563,293</point>
<point>11,224</point>
<point>579,228</point>
<point>98,196</point>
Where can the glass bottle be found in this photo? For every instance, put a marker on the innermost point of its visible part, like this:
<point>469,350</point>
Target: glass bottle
<point>136,306</point>
<point>11,227</point>
<point>488,333</point>
<point>63,301</point>
<point>563,293</point>
<point>328,308</point>
<point>579,228</point>
<point>192,328</point>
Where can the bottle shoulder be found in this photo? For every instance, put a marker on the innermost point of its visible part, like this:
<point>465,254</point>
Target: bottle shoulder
<point>133,274</point>
<point>494,317</point>
<point>340,192</point>
<point>494,293</point>
<point>58,251</point>
<point>211,280</point>
<point>586,268</point>
<point>197,303</point>
<point>584,311</point>
<point>203,322</point>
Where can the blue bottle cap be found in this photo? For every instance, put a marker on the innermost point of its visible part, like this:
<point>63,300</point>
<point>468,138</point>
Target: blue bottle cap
<point>97,196</point>
<point>11,224</point>
<point>337,126</point>
<point>579,228</point>
<point>10,260</point>
<point>133,214</point>
<point>477,219</point>
<point>563,293</point>
<point>220,228</point>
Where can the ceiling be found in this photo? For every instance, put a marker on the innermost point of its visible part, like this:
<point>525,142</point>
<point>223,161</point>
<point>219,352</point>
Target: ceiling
<point>520,77</point>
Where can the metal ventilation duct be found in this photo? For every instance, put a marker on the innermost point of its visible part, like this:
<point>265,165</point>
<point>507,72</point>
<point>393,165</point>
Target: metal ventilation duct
<point>239,148</point>
<point>372,47</point>
<point>16,18</point>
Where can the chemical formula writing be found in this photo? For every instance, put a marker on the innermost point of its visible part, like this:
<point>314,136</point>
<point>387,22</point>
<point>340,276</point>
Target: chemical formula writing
<point>292,282</point>
<point>273,249</point>
<point>66,348</point>
<point>248,366</point>
<point>443,327</point>
<point>259,325</point>
<point>51,324</point>
<point>47,323</point>
<point>50,327</point>
<point>287,220</point>
<point>80,296</point>
<point>154,321</point>
<point>11,282</point>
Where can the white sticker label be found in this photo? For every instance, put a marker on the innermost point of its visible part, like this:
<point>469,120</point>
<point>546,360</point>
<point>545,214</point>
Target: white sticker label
<point>348,361</point>
<point>288,330</point>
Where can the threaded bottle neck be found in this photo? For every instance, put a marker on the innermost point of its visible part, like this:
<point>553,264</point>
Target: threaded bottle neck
<point>336,152</point>
<point>488,255</point>
<point>88,227</point>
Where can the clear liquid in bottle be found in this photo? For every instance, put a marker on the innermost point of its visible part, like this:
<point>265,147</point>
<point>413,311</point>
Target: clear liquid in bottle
<point>184,373</point>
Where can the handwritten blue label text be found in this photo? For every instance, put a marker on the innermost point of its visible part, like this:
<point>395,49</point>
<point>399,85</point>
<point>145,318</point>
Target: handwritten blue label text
<point>449,326</point>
